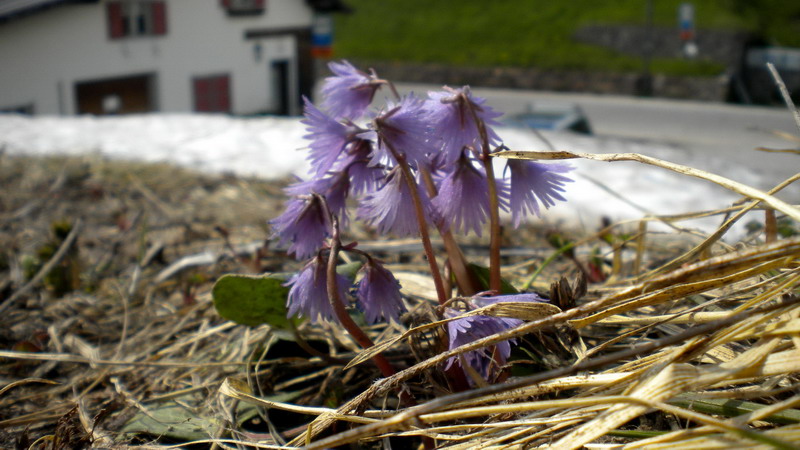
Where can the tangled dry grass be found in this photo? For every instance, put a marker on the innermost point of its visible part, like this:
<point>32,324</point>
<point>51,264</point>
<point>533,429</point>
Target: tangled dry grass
<point>110,338</point>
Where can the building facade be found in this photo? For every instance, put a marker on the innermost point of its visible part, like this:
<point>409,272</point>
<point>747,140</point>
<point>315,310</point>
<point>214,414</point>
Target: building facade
<point>138,56</point>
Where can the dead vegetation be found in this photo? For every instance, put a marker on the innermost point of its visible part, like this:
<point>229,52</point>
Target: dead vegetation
<point>109,337</point>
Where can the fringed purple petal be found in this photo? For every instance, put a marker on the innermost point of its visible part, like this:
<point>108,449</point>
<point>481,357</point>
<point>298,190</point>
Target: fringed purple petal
<point>452,115</point>
<point>468,329</point>
<point>304,224</point>
<point>404,128</point>
<point>348,93</point>
<point>532,183</point>
<point>327,137</point>
<point>391,208</point>
<point>463,198</point>
<point>308,296</point>
<point>378,294</point>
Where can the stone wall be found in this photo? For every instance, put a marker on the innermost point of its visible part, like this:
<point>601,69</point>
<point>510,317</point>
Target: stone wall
<point>723,47</point>
<point>719,46</point>
<point>697,88</point>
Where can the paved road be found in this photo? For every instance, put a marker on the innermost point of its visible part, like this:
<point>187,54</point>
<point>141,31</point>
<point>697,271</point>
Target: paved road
<point>700,132</point>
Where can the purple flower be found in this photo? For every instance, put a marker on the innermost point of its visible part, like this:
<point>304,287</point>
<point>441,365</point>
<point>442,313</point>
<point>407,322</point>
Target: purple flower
<point>452,115</point>
<point>404,128</point>
<point>328,138</point>
<point>364,176</point>
<point>308,296</point>
<point>533,182</point>
<point>379,293</point>
<point>463,199</point>
<point>485,361</point>
<point>333,187</point>
<point>305,224</point>
<point>349,93</point>
<point>391,207</point>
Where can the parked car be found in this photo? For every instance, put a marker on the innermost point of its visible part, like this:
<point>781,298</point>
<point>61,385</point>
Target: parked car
<point>551,116</point>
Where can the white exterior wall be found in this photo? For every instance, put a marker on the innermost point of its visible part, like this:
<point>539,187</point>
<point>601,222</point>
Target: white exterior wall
<point>42,56</point>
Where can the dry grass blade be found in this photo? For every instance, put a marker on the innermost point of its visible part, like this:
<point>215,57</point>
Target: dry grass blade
<point>10,386</point>
<point>699,277</point>
<point>518,310</point>
<point>787,98</point>
<point>734,186</point>
<point>779,150</point>
<point>239,390</point>
<point>410,415</point>
<point>689,324</point>
<point>714,237</point>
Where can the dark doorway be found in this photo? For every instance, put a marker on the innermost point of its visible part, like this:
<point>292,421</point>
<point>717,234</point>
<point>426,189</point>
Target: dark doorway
<point>280,86</point>
<point>124,95</point>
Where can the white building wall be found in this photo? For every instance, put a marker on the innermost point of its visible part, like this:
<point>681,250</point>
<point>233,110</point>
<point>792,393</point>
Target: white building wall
<point>42,56</point>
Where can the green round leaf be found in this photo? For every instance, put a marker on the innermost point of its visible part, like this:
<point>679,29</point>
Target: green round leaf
<point>252,300</point>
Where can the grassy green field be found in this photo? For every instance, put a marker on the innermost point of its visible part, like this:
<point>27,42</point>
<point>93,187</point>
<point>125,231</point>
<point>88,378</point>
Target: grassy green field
<point>532,33</point>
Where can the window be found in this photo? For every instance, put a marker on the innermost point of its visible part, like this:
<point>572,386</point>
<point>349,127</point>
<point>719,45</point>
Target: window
<point>131,18</point>
<point>212,93</point>
<point>26,109</point>
<point>244,7</point>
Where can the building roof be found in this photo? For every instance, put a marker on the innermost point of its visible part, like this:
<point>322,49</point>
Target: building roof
<point>329,6</point>
<point>10,9</point>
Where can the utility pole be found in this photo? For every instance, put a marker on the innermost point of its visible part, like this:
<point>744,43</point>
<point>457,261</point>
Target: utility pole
<point>645,83</point>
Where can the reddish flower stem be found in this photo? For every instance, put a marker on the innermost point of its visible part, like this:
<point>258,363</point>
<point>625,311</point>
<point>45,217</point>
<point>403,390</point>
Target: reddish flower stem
<point>338,306</point>
<point>494,227</point>
<point>423,229</point>
<point>458,263</point>
<point>494,203</point>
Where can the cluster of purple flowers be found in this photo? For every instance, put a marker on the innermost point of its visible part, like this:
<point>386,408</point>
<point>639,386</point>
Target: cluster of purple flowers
<point>415,154</point>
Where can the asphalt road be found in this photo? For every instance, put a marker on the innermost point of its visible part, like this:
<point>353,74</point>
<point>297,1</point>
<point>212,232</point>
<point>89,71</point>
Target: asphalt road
<point>701,133</point>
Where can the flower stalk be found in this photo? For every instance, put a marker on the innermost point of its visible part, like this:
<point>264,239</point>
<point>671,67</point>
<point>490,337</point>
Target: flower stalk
<point>423,229</point>
<point>458,264</point>
<point>338,306</point>
<point>495,237</point>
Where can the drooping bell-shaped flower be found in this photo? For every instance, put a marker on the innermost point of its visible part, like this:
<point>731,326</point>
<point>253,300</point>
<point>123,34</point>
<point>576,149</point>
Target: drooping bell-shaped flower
<point>308,295</point>
<point>488,360</point>
<point>378,293</point>
<point>391,208</point>
<point>304,225</point>
<point>364,176</point>
<point>348,93</point>
<point>328,138</point>
<point>463,198</point>
<point>452,114</point>
<point>533,183</point>
<point>485,361</point>
<point>333,187</point>
<point>404,131</point>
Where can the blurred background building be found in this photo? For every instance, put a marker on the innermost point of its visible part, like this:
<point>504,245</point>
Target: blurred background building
<point>246,57</point>
<point>136,56</point>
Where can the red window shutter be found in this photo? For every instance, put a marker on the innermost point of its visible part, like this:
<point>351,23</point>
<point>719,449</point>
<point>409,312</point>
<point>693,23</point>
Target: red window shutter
<point>200,88</point>
<point>224,94</point>
<point>116,27</point>
<point>212,94</point>
<point>159,11</point>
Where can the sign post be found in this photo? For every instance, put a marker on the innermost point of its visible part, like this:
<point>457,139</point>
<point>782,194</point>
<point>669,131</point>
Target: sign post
<point>687,32</point>
<point>322,36</point>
